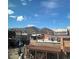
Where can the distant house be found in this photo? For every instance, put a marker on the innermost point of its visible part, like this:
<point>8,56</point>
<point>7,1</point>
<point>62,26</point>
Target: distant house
<point>60,32</point>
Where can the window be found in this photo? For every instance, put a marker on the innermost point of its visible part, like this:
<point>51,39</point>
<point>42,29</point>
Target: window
<point>55,39</point>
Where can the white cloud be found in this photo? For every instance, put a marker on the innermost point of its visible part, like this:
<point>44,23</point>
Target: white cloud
<point>24,3</point>
<point>13,16</point>
<point>36,15</point>
<point>10,11</point>
<point>30,25</point>
<point>49,4</point>
<point>20,18</point>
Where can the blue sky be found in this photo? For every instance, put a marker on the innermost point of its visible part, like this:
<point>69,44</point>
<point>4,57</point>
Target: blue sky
<point>39,13</point>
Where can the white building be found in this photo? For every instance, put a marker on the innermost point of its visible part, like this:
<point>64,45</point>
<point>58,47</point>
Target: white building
<point>60,32</point>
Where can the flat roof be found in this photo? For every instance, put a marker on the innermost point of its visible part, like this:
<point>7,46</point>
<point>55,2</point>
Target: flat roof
<point>61,36</point>
<point>50,49</point>
<point>44,48</point>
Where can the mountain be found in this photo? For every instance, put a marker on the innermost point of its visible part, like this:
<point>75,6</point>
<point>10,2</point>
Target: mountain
<point>32,30</point>
<point>47,31</point>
